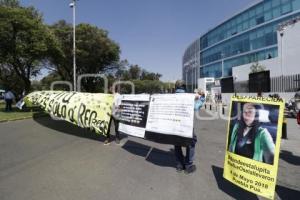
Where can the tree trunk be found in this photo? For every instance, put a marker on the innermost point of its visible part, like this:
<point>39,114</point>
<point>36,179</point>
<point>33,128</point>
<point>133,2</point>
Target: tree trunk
<point>27,85</point>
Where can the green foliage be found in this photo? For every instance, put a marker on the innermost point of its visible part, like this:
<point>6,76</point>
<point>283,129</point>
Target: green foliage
<point>24,42</point>
<point>126,71</point>
<point>95,52</point>
<point>143,86</point>
<point>256,67</point>
<point>9,79</point>
<point>10,3</point>
<point>134,72</point>
<point>150,76</point>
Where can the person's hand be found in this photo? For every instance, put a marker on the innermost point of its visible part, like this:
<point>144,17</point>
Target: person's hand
<point>197,96</point>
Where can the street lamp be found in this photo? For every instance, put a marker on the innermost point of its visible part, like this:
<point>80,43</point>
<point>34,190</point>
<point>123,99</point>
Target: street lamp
<point>73,6</point>
<point>281,54</point>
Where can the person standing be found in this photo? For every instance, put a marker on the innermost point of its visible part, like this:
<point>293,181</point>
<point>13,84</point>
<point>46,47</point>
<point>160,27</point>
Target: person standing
<point>186,162</point>
<point>115,118</point>
<point>297,105</point>
<point>8,97</point>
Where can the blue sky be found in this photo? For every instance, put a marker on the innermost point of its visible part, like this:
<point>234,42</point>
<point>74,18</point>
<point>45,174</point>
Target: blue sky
<point>151,33</point>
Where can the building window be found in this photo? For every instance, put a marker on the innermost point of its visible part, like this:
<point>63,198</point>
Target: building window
<point>267,5</point>
<point>275,3</point>
<point>276,12</point>
<point>260,19</point>
<point>296,4</point>
<point>268,15</point>
<point>286,8</point>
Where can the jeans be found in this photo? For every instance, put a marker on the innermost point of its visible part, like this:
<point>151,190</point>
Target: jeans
<point>116,123</point>
<point>187,160</point>
<point>8,104</point>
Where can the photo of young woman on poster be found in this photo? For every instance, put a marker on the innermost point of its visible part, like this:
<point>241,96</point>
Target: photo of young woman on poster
<point>248,136</point>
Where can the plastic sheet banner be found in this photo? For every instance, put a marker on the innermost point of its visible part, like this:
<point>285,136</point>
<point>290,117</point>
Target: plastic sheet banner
<point>171,119</point>
<point>87,110</point>
<point>253,144</point>
<point>162,118</point>
<point>133,116</point>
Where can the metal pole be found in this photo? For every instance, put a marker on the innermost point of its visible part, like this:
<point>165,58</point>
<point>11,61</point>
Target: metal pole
<point>281,58</point>
<point>74,46</point>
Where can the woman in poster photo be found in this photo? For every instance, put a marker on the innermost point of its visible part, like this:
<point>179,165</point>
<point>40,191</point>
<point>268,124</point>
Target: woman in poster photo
<point>249,139</point>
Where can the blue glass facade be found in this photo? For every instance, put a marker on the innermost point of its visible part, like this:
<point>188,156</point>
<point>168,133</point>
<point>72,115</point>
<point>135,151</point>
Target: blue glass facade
<point>247,37</point>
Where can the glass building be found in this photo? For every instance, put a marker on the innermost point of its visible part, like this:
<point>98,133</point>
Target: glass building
<point>247,37</point>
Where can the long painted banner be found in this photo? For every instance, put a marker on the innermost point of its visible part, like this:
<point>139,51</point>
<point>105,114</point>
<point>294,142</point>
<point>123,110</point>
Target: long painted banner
<point>253,144</point>
<point>86,110</point>
<point>162,118</point>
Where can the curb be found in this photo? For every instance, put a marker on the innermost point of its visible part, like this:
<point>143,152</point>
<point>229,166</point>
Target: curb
<point>22,118</point>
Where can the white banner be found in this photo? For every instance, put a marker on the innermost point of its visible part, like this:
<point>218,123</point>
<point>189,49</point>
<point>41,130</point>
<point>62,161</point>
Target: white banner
<point>171,114</point>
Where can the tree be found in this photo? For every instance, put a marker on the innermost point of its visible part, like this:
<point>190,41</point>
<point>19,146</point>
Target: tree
<point>150,76</point>
<point>24,41</point>
<point>95,52</point>
<point>9,79</point>
<point>134,72</point>
<point>49,79</point>
<point>125,71</point>
<point>256,67</point>
<point>10,3</point>
<point>121,69</point>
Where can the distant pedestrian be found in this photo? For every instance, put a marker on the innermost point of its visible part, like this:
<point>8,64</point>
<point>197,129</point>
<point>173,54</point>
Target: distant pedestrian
<point>297,104</point>
<point>8,97</point>
<point>259,94</point>
<point>219,98</point>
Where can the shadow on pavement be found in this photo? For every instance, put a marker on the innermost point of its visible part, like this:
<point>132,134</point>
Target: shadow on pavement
<point>153,155</point>
<point>67,127</point>
<point>161,158</point>
<point>286,193</point>
<point>136,148</point>
<point>289,157</point>
<point>229,188</point>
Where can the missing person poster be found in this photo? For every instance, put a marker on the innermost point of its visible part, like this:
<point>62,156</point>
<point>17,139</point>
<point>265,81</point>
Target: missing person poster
<point>87,110</point>
<point>133,114</point>
<point>253,143</point>
<point>171,118</point>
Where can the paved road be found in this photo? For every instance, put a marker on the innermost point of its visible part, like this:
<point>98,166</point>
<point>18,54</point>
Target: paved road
<point>45,159</point>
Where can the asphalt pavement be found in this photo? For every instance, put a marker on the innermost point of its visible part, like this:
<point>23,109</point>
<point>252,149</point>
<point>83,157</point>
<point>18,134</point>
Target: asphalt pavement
<point>45,159</point>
